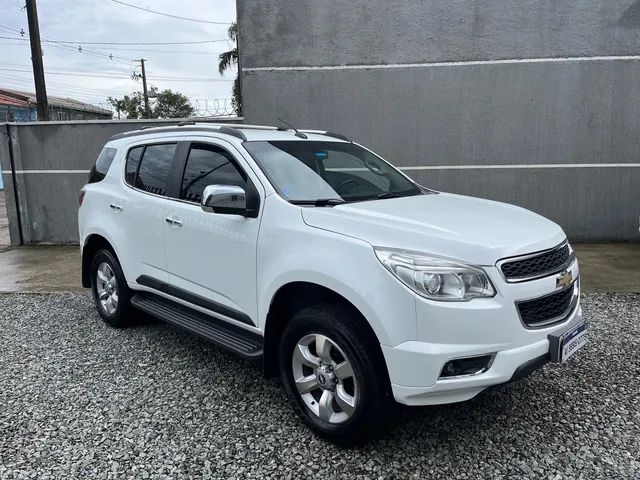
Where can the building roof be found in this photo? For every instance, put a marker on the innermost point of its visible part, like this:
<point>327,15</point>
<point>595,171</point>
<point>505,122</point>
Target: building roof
<point>10,101</point>
<point>27,98</point>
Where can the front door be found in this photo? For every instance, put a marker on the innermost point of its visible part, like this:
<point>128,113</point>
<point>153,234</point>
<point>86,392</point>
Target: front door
<point>211,257</point>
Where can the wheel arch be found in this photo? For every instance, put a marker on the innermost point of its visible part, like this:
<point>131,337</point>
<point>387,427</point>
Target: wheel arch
<point>92,244</point>
<point>294,296</point>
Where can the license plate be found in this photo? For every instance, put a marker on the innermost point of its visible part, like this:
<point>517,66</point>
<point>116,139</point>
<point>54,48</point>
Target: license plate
<point>572,341</point>
<point>563,345</point>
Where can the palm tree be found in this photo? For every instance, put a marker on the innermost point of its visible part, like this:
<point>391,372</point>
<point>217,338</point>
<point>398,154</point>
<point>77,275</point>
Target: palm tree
<point>229,59</point>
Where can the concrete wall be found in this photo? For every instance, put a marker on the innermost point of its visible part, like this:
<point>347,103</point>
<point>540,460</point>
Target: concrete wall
<point>535,103</point>
<point>49,162</point>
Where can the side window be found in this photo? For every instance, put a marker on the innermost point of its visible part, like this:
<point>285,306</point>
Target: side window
<point>133,160</point>
<point>154,168</point>
<point>208,165</point>
<point>101,167</point>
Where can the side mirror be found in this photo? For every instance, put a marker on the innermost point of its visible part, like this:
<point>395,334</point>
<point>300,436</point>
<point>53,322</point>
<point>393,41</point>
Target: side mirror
<point>227,199</point>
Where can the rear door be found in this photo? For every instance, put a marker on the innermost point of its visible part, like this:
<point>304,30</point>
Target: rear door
<point>211,257</point>
<point>141,207</point>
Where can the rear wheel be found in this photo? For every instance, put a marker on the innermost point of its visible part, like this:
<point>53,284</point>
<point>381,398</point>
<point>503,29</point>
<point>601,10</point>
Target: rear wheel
<point>109,287</point>
<point>332,373</point>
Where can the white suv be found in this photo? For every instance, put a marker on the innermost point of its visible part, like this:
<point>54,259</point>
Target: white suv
<point>311,254</point>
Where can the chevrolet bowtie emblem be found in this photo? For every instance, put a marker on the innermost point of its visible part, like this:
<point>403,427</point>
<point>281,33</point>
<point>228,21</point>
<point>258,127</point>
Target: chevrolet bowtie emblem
<point>564,279</point>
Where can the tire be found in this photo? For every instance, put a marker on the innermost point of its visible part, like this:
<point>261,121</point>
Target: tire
<point>116,312</point>
<point>345,410</point>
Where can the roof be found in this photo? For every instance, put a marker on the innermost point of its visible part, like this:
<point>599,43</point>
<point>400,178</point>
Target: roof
<point>8,100</point>
<point>240,131</point>
<point>60,102</point>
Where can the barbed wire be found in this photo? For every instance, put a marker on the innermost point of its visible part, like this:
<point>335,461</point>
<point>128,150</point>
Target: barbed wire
<point>61,111</point>
<point>216,107</point>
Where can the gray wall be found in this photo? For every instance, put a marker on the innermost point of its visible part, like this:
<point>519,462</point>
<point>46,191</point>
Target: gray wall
<point>57,157</point>
<point>392,86</point>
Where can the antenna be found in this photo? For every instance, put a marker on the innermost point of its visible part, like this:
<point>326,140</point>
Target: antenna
<point>298,133</point>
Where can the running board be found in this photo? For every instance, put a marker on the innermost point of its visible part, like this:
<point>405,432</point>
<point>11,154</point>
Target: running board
<point>231,337</point>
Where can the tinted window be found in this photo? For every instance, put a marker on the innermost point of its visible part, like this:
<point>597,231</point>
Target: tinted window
<point>101,167</point>
<point>208,165</point>
<point>154,168</point>
<point>133,160</point>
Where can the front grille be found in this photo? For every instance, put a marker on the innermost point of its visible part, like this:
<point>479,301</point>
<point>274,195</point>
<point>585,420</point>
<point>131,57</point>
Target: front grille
<point>537,265</point>
<point>549,309</point>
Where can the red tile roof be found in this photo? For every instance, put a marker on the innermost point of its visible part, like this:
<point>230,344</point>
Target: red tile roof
<point>12,101</point>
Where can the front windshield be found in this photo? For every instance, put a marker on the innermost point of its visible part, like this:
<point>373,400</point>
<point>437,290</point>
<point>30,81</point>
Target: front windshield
<point>308,171</point>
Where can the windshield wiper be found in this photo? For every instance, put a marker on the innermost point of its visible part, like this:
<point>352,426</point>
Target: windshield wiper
<point>320,202</point>
<point>388,195</point>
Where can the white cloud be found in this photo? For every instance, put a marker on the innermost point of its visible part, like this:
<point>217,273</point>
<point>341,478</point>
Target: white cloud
<point>107,21</point>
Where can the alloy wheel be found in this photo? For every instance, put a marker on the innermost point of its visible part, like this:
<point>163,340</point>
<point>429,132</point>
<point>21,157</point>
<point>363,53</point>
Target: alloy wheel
<point>107,288</point>
<point>324,378</point>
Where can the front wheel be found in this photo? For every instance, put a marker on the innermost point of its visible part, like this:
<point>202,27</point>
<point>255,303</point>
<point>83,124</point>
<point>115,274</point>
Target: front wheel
<point>332,371</point>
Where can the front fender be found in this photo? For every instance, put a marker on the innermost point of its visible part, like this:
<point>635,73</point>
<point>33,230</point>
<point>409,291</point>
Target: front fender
<point>291,251</point>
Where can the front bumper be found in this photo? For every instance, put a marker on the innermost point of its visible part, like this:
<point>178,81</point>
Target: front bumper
<point>486,326</point>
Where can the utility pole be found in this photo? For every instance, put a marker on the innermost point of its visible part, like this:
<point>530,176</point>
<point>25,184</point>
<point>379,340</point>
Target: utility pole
<point>147,113</point>
<point>36,59</point>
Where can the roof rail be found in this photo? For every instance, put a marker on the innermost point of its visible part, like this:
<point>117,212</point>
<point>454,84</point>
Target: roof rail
<point>252,127</point>
<point>329,134</point>
<point>148,129</point>
<point>234,132</point>
<point>338,135</point>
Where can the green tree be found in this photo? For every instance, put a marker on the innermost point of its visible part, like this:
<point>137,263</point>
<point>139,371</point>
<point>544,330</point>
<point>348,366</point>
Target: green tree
<point>226,61</point>
<point>170,104</point>
<point>129,106</point>
<point>164,104</point>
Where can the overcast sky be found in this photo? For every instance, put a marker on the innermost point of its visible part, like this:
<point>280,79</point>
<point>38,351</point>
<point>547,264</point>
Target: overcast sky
<point>81,21</point>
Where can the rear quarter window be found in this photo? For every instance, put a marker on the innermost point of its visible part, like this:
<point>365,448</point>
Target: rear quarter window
<point>133,161</point>
<point>102,165</point>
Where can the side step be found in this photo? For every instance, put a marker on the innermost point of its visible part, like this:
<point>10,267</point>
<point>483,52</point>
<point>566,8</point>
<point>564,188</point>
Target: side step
<point>236,339</point>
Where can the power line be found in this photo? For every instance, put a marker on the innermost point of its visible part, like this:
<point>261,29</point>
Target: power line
<point>169,15</point>
<point>162,51</point>
<point>80,42</point>
<point>79,49</point>
<point>19,83</point>
<point>17,67</point>
<point>66,70</point>
<point>147,50</point>
<point>120,76</point>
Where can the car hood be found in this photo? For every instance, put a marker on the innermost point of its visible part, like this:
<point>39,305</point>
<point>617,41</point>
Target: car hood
<point>469,229</point>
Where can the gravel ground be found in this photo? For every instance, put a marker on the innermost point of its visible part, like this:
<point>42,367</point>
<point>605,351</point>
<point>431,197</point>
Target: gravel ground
<point>81,400</point>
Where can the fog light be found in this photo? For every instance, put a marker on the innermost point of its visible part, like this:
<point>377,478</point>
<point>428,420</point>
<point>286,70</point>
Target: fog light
<point>466,366</point>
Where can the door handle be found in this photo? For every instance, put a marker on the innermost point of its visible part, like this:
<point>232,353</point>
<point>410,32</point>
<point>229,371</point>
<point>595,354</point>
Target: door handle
<point>115,207</point>
<point>173,221</point>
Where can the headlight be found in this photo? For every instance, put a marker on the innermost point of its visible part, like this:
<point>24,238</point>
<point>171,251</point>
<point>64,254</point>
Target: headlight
<point>436,278</point>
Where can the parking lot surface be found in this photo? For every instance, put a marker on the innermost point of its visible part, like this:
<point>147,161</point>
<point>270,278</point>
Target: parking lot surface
<point>81,400</point>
